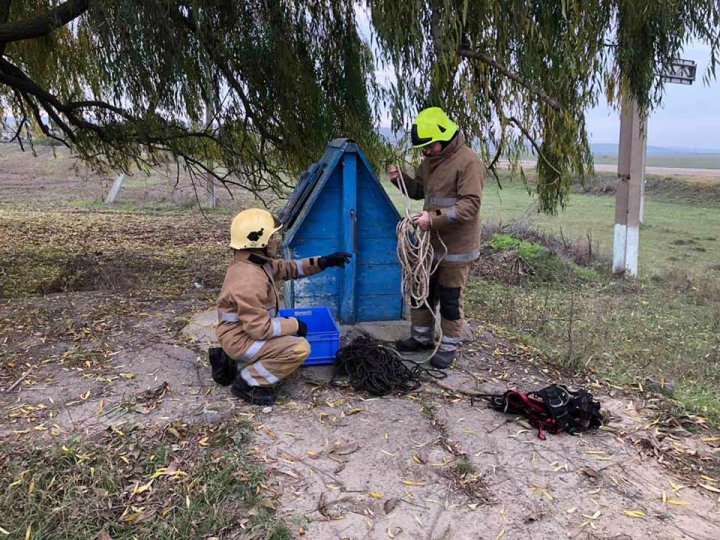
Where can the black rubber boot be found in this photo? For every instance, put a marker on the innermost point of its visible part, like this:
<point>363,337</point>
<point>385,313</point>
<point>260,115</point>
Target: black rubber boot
<point>255,395</point>
<point>442,359</point>
<point>412,345</point>
<point>223,367</point>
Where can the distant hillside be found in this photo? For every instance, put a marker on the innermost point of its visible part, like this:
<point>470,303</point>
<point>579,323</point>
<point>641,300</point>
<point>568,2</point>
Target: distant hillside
<point>605,149</point>
<point>611,149</point>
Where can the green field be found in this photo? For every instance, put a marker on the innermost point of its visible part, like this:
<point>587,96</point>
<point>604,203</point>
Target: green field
<point>664,326</point>
<point>674,234</point>
<point>682,161</point>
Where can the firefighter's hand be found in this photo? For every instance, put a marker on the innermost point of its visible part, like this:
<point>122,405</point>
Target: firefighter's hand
<point>393,174</point>
<point>422,220</point>
<point>302,328</point>
<point>339,258</point>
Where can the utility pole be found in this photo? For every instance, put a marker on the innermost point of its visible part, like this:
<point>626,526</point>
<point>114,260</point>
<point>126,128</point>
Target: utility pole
<point>115,189</point>
<point>628,195</point>
<point>630,192</point>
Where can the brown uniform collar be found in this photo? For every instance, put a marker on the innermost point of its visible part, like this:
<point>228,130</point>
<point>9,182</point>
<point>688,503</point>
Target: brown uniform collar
<point>457,143</point>
<point>252,256</point>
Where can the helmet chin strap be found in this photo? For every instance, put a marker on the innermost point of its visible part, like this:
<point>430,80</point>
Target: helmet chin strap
<point>272,249</point>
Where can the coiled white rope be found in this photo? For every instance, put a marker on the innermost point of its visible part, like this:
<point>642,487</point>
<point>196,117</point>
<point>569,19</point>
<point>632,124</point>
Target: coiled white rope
<point>417,260</point>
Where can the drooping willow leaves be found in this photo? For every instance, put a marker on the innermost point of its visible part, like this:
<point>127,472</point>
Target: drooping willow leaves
<point>127,81</point>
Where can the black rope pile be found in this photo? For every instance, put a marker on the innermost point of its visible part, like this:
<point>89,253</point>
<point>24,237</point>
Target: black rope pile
<point>378,369</point>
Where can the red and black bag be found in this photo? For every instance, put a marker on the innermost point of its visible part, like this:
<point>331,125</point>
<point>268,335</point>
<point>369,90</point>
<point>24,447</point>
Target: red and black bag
<point>552,409</point>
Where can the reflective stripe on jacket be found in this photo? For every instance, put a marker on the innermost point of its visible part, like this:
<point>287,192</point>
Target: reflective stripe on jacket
<point>249,303</point>
<point>451,184</point>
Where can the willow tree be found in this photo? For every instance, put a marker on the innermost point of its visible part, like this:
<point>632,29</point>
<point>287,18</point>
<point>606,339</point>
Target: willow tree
<point>519,73</point>
<point>127,81</point>
<point>123,81</point>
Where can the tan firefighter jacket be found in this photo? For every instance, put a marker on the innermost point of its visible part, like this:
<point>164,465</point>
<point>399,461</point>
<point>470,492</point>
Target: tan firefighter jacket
<point>248,303</point>
<point>452,185</point>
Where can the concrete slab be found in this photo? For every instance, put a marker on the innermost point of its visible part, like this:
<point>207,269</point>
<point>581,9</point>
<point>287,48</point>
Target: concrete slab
<point>201,329</point>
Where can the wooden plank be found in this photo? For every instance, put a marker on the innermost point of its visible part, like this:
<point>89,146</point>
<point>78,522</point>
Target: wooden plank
<point>348,225</point>
<point>311,247</point>
<point>373,251</point>
<point>331,177</point>
<point>382,279</point>
<point>378,308</point>
<point>324,220</point>
<point>377,215</point>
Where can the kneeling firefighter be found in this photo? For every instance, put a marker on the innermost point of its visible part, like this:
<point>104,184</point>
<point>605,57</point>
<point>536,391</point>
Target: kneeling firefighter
<point>450,180</point>
<point>258,348</point>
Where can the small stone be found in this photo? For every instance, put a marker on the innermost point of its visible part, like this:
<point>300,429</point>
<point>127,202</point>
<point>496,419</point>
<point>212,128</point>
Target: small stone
<point>210,416</point>
<point>267,410</point>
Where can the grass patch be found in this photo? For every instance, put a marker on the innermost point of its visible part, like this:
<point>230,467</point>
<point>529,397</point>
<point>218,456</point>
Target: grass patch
<point>54,252</point>
<point>186,482</point>
<point>622,331</point>
<point>462,467</point>
<point>591,216</point>
<point>165,207</point>
<point>539,262</point>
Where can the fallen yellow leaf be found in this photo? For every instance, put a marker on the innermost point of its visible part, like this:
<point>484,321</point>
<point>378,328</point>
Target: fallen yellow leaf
<point>639,514</point>
<point>412,483</point>
<point>312,455</point>
<point>375,495</point>
<point>709,488</point>
<point>678,502</point>
<point>501,533</point>
<point>138,489</point>
<point>675,487</point>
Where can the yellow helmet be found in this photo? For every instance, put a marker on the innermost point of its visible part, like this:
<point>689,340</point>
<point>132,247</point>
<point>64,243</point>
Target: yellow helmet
<point>432,125</point>
<point>252,228</point>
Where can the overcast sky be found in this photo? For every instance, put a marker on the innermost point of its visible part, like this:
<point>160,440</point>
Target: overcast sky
<point>689,118</point>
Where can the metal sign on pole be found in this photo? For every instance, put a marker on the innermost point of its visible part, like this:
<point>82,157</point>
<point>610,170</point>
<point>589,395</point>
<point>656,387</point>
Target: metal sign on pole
<point>680,72</point>
<point>630,192</point>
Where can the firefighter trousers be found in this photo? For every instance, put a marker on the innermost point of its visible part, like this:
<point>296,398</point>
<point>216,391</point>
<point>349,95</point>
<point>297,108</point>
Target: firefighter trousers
<point>447,289</point>
<point>277,359</point>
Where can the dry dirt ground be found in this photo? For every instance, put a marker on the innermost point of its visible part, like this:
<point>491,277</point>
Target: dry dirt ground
<point>424,465</point>
<point>427,465</point>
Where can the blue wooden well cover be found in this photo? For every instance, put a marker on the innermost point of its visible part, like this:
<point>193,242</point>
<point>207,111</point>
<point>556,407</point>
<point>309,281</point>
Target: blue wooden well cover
<point>339,205</point>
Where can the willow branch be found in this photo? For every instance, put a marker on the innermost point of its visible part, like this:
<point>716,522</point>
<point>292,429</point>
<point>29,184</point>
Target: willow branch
<point>490,61</point>
<point>536,146</point>
<point>44,24</point>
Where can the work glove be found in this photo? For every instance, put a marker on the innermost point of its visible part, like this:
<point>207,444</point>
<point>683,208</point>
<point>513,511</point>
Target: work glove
<point>339,258</point>
<point>302,328</point>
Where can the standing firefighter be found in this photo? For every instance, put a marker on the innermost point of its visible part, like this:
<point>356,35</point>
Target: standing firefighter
<point>259,349</point>
<point>450,179</point>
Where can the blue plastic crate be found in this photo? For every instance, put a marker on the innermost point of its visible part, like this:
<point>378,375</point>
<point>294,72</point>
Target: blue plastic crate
<point>323,333</point>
